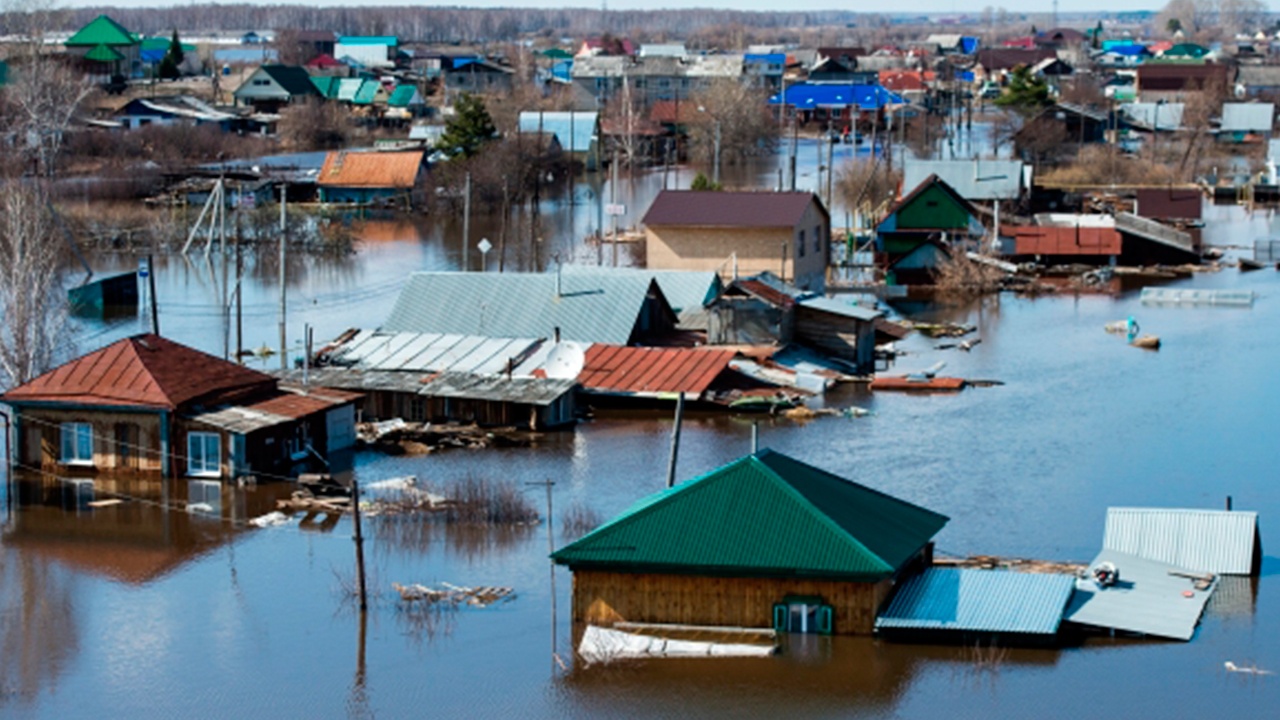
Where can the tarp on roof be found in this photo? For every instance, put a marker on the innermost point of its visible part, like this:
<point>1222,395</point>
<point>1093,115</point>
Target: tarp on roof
<point>588,308</point>
<point>766,514</point>
<point>987,601</point>
<point>576,131</point>
<point>1215,541</point>
<point>972,179</point>
<point>1147,599</point>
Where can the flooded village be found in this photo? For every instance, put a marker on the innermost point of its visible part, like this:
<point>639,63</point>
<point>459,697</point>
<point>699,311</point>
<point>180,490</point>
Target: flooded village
<point>638,363</point>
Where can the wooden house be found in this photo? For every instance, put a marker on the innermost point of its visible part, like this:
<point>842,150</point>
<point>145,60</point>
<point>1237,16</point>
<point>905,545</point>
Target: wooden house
<point>271,87</point>
<point>923,228</point>
<point>763,541</point>
<point>368,177</point>
<point>740,232</point>
<point>149,406</point>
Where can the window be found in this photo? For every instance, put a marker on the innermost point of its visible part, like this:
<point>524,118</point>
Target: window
<point>810,616</point>
<point>204,497</point>
<point>77,443</point>
<point>800,244</point>
<point>77,493</point>
<point>817,239</point>
<point>204,454</point>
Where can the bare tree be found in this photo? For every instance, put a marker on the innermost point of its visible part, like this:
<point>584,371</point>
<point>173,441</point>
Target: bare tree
<point>746,126</point>
<point>33,305</point>
<point>44,93</point>
<point>867,185</point>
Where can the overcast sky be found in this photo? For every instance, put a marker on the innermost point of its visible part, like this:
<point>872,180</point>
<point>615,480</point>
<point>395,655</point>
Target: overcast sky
<point>899,6</point>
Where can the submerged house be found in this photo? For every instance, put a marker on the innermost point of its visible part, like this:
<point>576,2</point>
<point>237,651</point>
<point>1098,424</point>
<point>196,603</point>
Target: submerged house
<point>744,233</point>
<point>765,541</point>
<point>920,232</point>
<point>370,177</point>
<point>147,405</point>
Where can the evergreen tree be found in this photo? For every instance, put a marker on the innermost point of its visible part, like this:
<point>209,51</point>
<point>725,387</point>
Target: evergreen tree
<point>171,64</point>
<point>469,128</point>
<point>702,182</point>
<point>1026,91</point>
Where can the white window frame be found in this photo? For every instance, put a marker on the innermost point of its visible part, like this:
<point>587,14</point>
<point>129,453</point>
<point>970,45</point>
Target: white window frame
<point>75,457</point>
<point>203,469</point>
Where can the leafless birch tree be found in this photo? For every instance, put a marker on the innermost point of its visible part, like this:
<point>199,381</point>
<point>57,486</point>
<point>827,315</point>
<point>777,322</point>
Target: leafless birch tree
<point>33,305</point>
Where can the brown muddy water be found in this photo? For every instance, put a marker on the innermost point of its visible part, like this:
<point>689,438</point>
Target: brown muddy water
<point>132,611</point>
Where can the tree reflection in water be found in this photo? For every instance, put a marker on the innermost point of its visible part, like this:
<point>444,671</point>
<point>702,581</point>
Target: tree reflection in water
<point>39,634</point>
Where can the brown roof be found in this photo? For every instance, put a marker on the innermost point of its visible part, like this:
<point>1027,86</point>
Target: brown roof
<point>671,112</point>
<point>1009,58</point>
<point>614,368</point>
<point>144,370</point>
<point>1037,240</point>
<point>370,169</point>
<point>728,209</point>
<point>292,403</point>
<point>1164,77</point>
<point>1170,203</point>
<point>842,52</point>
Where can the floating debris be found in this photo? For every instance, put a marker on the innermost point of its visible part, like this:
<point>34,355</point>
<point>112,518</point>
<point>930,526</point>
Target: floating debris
<point>1233,298</point>
<point>271,519</point>
<point>1146,342</point>
<point>605,645</point>
<point>1246,669</point>
<point>454,595</point>
<point>941,330</point>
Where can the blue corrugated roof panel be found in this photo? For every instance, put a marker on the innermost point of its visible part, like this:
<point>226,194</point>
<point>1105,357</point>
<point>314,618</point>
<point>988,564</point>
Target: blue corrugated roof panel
<point>866,97</point>
<point>576,131</point>
<point>966,600</point>
<point>1150,598</point>
<point>1216,541</point>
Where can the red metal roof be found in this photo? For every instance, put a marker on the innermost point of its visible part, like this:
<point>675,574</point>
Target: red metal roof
<point>906,80</point>
<point>766,293</point>
<point>765,209</point>
<point>144,370</point>
<point>672,112</point>
<point>1035,240</point>
<point>294,404</point>
<point>1170,203</point>
<point>614,368</point>
<point>370,169</point>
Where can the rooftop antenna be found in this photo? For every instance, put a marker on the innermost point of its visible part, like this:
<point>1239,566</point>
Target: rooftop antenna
<point>1055,13</point>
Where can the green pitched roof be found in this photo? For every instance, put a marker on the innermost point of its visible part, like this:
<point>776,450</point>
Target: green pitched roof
<point>327,86</point>
<point>763,515</point>
<point>367,92</point>
<point>102,30</point>
<point>103,54</point>
<point>163,43</point>
<point>402,96</point>
<point>556,53</point>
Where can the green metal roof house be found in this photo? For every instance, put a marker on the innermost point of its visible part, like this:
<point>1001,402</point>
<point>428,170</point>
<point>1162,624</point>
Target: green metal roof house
<point>272,86</point>
<point>106,47</point>
<point>765,540</point>
<point>918,233</point>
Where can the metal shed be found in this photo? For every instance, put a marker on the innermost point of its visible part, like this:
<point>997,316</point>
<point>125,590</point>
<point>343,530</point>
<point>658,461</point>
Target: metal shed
<point>1216,541</point>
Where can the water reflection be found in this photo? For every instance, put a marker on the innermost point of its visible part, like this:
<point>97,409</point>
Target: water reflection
<point>416,534</point>
<point>39,625</point>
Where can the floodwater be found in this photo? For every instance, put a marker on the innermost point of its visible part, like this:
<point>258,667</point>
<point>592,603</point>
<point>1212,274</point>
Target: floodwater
<point>135,611</point>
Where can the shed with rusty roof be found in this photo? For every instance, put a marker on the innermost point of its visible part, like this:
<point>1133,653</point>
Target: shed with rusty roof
<point>148,405</point>
<point>766,540</point>
<point>743,233</point>
<point>366,177</point>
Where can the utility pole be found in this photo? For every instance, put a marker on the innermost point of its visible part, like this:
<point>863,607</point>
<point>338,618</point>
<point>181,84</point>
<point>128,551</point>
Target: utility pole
<point>675,441</point>
<point>284,341</point>
<point>795,143</point>
<point>151,280</point>
<point>831,170</point>
<point>716,170</point>
<point>613,202</point>
<point>239,281</point>
<point>466,223</point>
<point>359,540</point>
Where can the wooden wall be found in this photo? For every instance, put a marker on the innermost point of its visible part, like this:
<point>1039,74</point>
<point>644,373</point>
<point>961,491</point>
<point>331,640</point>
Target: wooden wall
<point>606,597</point>
<point>759,249</point>
<point>40,444</point>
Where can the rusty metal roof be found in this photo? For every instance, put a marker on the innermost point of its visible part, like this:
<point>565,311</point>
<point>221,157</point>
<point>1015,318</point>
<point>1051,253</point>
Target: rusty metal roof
<point>143,370</point>
<point>1046,240</point>
<point>728,209</point>
<point>637,370</point>
<point>1170,203</point>
<point>370,169</point>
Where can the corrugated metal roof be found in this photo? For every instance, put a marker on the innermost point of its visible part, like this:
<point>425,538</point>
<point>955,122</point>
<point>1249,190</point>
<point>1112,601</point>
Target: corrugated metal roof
<point>765,514</point>
<point>145,370</point>
<point>1056,240</point>
<point>576,131</point>
<point>434,352</point>
<point>500,388</point>
<point>1216,541</point>
<point>1147,599</point>
<point>370,169</point>
<point>694,208</point>
<point>972,179</point>
<point>1170,203</point>
<point>1248,117</point>
<point>1146,114</point>
<point>864,97</point>
<point>101,30</point>
<point>652,371</point>
<point>684,289</point>
<point>589,308</point>
<point>960,599</point>
<point>840,307</point>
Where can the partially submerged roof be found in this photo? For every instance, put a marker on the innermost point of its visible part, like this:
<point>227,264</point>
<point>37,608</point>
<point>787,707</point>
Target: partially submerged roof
<point>143,370</point>
<point>415,352</point>
<point>1215,541</point>
<point>839,307</point>
<point>576,131</point>
<point>694,208</point>
<point>762,515</point>
<point>1083,240</point>
<point>1150,598</point>
<point>371,169</point>
<point>586,307</point>
<point>972,179</point>
<point>101,30</point>
<point>987,601</point>
<point>652,372</point>
<point>1170,203</point>
<point>284,407</point>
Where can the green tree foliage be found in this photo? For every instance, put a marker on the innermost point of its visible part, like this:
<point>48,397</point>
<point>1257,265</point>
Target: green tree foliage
<point>469,128</point>
<point>171,64</point>
<point>1026,91</point>
<point>1097,36</point>
<point>1173,25</point>
<point>702,182</point>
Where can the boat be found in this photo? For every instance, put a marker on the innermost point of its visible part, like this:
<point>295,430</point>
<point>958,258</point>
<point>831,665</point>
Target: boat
<point>1247,265</point>
<point>918,383</point>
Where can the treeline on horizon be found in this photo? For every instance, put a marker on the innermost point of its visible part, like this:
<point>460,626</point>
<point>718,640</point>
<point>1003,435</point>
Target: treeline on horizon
<point>452,24</point>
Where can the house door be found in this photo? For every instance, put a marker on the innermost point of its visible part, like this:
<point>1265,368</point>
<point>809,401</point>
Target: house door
<point>802,616</point>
